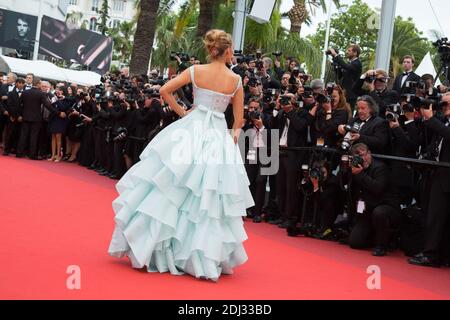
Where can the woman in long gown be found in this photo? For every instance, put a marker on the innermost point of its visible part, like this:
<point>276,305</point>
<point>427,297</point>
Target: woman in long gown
<point>180,207</point>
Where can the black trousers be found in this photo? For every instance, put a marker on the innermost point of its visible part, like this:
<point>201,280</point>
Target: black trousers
<point>12,134</point>
<point>437,219</point>
<point>99,148</point>
<point>287,191</point>
<point>29,136</point>
<point>374,228</point>
<point>119,161</point>
<point>45,140</point>
<point>257,186</point>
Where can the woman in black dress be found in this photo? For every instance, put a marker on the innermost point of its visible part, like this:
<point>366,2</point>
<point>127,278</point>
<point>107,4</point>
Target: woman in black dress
<point>57,125</point>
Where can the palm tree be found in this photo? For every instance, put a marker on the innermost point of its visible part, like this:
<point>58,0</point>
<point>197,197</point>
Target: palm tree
<point>406,41</point>
<point>144,36</point>
<point>299,14</point>
<point>123,40</point>
<point>206,16</point>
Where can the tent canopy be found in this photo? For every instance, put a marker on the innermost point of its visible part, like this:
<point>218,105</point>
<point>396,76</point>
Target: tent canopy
<point>47,70</point>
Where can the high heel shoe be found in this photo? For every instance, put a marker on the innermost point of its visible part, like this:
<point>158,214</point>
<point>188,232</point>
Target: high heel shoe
<point>58,159</point>
<point>53,158</point>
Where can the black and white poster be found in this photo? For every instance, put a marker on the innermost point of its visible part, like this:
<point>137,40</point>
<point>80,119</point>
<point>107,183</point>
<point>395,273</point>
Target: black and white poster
<point>17,30</point>
<point>79,46</point>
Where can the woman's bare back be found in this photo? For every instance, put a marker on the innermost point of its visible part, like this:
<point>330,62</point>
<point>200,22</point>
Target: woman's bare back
<point>215,77</point>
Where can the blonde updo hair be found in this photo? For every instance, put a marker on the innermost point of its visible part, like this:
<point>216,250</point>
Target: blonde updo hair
<point>217,42</point>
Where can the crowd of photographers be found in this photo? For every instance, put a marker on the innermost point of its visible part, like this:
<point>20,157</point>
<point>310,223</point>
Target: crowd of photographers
<point>331,183</point>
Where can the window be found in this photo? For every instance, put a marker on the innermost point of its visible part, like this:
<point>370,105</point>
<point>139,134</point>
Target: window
<point>119,5</point>
<point>73,2</point>
<point>116,24</point>
<point>93,24</point>
<point>94,5</point>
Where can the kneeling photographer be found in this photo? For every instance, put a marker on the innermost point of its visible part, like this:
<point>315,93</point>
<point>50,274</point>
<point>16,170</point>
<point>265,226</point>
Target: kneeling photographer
<point>256,128</point>
<point>367,127</point>
<point>377,211</point>
<point>320,190</point>
<point>435,249</point>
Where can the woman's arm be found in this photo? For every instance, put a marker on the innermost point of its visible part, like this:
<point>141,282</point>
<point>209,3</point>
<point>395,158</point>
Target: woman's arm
<point>238,112</point>
<point>173,85</point>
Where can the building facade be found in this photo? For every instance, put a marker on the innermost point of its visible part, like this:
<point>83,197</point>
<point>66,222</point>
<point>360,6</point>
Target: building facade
<point>85,12</point>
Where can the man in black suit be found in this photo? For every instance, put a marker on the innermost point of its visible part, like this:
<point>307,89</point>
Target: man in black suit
<point>373,130</point>
<point>439,202</point>
<point>377,211</point>
<point>13,110</point>
<point>292,125</point>
<point>377,89</point>
<point>33,101</point>
<point>402,81</point>
<point>348,73</point>
<point>257,129</point>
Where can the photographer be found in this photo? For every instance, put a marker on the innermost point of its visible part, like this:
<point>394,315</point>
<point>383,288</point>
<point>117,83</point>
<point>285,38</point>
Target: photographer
<point>268,78</point>
<point>402,81</point>
<point>321,189</point>
<point>147,119</point>
<point>367,127</point>
<point>327,116</point>
<point>348,73</point>
<point>377,84</point>
<point>256,127</point>
<point>86,153</point>
<point>405,142</point>
<point>377,211</point>
<point>13,111</point>
<point>253,89</point>
<point>439,202</point>
<point>292,124</point>
<point>99,123</point>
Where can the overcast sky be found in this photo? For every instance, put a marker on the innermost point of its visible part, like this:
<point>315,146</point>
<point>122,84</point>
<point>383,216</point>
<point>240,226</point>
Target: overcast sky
<point>419,10</point>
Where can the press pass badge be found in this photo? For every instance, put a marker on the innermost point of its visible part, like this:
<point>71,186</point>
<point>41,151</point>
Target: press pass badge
<point>251,155</point>
<point>361,207</point>
<point>320,142</point>
<point>54,99</point>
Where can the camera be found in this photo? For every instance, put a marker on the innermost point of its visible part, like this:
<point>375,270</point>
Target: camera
<point>328,52</point>
<point>269,95</point>
<point>357,161</point>
<point>184,57</point>
<point>121,134</point>
<point>443,48</point>
<point>393,112</point>
<point>277,54</point>
<point>330,88</point>
<point>285,100</point>
<point>321,99</point>
<point>370,79</point>
<point>347,143</point>
<point>253,82</point>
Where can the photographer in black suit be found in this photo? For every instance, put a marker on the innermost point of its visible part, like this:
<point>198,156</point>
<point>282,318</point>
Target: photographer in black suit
<point>292,124</point>
<point>33,101</point>
<point>377,87</point>
<point>373,130</point>
<point>408,75</point>
<point>348,73</point>
<point>256,128</point>
<point>439,202</point>
<point>13,110</point>
<point>377,210</point>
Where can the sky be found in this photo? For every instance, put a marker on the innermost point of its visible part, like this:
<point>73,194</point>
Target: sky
<point>419,10</point>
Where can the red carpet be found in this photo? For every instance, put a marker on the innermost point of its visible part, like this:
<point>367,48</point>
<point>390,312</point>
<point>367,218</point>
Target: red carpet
<point>56,214</point>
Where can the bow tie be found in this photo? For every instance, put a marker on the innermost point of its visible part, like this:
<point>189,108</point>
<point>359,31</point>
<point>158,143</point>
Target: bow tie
<point>406,73</point>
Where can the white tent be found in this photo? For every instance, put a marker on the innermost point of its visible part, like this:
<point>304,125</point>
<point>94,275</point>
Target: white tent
<point>47,70</point>
<point>426,66</point>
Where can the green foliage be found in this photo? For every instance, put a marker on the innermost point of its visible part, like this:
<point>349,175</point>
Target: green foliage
<point>104,17</point>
